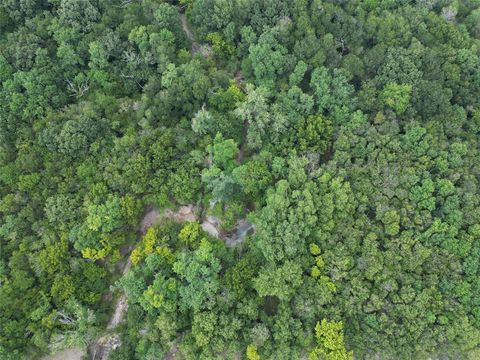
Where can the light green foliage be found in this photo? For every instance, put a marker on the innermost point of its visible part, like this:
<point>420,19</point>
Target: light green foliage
<point>391,221</point>
<point>218,178</point>
<point>297,75</point>
<point>331,346</point>
<point>52,258</point>
<point>254,111</point>
<point>146,246</point>
<point>199,274</point>
<point>223,152</point>
<point>202,122</point>
<point>396,96</point>
<point>190,234</point>
<point>422,195</point>
<point>252,353</point>
<point>63,288</point>
<point>281,281</point>
<point>219,45</point>
<point>335,141</point>
<point>162,294</point>
<point>105,217</point>
<point>332,93</point>
<point>285,222</point>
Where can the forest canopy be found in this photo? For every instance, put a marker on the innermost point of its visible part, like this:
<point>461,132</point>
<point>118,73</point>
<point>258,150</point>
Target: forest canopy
<point>311,168</point>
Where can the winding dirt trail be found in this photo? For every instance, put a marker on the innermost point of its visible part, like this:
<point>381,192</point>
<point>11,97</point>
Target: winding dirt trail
<point>184,214</point>
<point>203,49</point>
<point>151,217</point>
<point>186,29</point>
<point>104,345</point>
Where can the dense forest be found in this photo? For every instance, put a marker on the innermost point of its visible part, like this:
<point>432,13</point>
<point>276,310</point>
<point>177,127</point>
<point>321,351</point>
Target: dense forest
<point>342,135</point>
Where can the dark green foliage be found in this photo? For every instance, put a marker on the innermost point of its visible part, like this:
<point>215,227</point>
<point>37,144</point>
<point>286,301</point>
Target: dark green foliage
<point>346,132</point>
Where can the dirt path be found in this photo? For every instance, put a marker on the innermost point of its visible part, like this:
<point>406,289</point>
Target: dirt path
<point>67,354</point>
<point>153,216</point>
<point>241,152</point>
<point>203,49</point>
<point>104,345</point>
<point>242,228</point>
<point>150,218</point>
<point>186,29</point>
<point>183,214</point>
<point>211,225</point>
<point>120,309</point>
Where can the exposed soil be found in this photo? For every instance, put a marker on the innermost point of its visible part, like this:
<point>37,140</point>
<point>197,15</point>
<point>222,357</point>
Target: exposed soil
<point>183,214</point>
<point>120,310</point>
<point>172,354</point>
<point>211,225</point>
<point>67,354</point>
<point>151,217</point>
<point>242,228</point>
<point>203,49</point>
<point>103,346</point>
<point>186,29</point>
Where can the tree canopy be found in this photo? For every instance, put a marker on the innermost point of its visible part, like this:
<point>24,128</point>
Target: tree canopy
<point>338,140</point>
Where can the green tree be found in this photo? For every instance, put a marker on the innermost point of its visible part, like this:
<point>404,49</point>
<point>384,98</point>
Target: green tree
<point>281,281</point>
<point>315,134</point>
<point>268,58</point>
<point>255,113</point>
<point>396,97</point>
<point>105,217</point>
<point>79,14</point>
<point>331,346</point>
<point>199,272</point>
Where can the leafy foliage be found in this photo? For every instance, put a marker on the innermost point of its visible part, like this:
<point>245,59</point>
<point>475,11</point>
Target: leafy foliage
<point>342,134</point>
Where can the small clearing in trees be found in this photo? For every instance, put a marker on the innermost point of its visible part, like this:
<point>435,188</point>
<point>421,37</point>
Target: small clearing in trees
<point>103,346</point>
<point>67,354</point>
<point>242,228</point>
<point>183,214</point>
<point>211,225</point>
<point>101,349</point>
<point>151,217</point>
